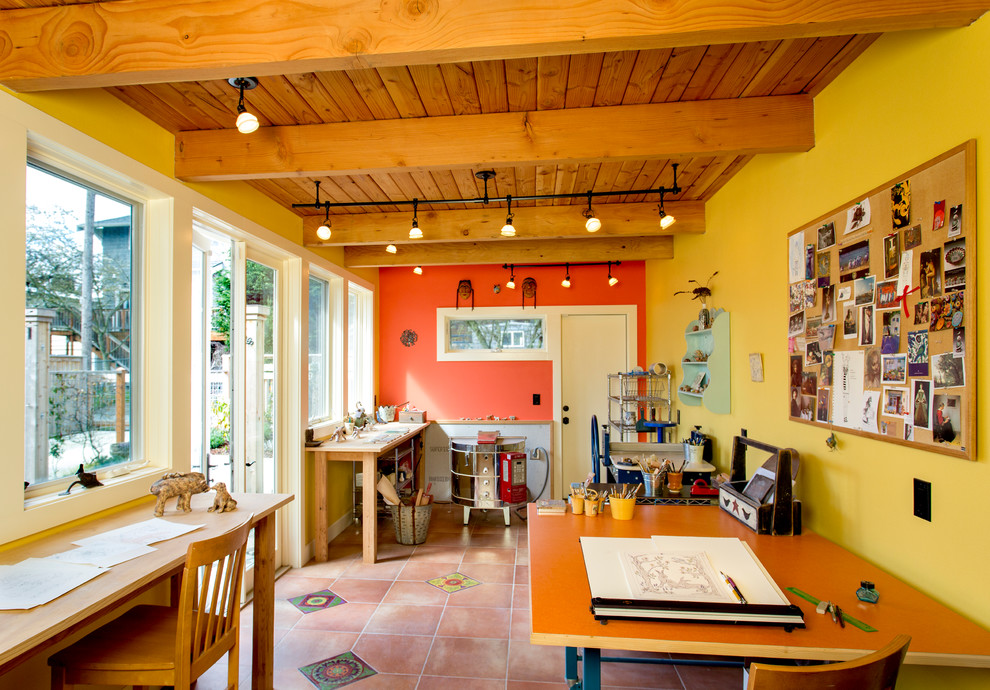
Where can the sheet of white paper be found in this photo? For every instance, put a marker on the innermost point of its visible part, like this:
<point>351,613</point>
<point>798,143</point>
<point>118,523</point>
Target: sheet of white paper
<point>147,532</point>
<point>104,554</point>
<point>678,575</point>
<point>904,272</point>
<point>795,257</point>
<point>870,403</point>
<point>37,581</point>
<point>847,388</point>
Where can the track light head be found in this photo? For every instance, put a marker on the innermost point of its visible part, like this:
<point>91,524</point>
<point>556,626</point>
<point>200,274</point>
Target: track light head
<point>418,270</point>
<point>591,223</point>
<point>665,220</point>
<point>391,249</point>
<point>414,232</point>
<point>508,230</point>
<point>323,232</point>
<point>246,122</point>
<point>612,280</point>
<point>566,282</point>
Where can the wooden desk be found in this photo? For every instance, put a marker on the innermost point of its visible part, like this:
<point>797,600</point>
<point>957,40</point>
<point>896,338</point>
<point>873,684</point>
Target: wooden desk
<point>367,453</point>
<point>560,599</point>
<point>25,633</point>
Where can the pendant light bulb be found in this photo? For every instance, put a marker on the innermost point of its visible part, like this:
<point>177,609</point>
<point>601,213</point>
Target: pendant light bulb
<point>418,270</point>
<point>566,282</point>
<point>665,220</point>
<point>246,122</point>
<point>612,280</point>
<point>323,232</point>
<point>508,230</point>
<point>512,283</point>
<point>414,232</point>
<point>391,249</point>
<point>591,224</point>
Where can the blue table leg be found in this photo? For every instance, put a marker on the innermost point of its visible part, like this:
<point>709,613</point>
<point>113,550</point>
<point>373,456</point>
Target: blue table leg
<point>570,666</point>
<point>591,676</point>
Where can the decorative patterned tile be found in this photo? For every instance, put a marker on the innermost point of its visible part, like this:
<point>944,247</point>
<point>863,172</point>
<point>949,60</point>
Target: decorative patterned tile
<point>454,582</point>
<point>337,671</point>
<point>316,601</point>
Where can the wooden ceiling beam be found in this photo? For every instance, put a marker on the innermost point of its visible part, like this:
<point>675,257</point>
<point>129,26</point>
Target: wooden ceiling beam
<point>123,42</point>
<point>738,127</point>
<point>482,224</point>
<point>513,251</point>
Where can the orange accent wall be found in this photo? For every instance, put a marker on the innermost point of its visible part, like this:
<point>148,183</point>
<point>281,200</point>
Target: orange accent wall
<point>451,390</point>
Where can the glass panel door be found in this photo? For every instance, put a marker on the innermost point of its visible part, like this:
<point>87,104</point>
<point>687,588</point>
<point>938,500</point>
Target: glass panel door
<point>260,379</point>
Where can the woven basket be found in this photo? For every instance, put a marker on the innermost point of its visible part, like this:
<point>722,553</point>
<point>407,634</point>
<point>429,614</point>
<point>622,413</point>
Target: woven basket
<point>411,523</point>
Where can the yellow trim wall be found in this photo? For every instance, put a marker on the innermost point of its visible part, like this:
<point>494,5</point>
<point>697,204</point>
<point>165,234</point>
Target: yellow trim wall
<point>908,98</point>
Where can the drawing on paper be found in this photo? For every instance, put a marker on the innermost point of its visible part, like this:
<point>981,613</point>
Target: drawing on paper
<point>678,575</point>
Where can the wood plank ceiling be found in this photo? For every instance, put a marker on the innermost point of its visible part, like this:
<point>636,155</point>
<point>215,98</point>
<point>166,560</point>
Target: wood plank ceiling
<point>457,124</point>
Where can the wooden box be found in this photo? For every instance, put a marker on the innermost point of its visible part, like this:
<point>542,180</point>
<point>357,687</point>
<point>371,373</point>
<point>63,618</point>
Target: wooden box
<point>765,502</point>
<point>412,416</point>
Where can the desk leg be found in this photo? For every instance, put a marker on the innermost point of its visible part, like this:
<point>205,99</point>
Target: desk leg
<point>591,669</point>
<point>263,639</point>
<point>322,547</point>
<point>369,514</point>
<point>570,666</point>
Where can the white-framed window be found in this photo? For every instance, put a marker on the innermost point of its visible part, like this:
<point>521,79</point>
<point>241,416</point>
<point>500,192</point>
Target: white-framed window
<point>491,334</point>
<point>320,363</point>
<point>360,347</point>
<point>82,297</point>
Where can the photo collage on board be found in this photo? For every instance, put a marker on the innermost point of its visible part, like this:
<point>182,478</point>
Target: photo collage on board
<point>876,327</point>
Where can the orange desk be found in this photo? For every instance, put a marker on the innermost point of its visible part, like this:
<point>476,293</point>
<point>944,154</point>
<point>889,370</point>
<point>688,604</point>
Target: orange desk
<point>367,453</point>
<point>560,599</point>
<point>25,633</point>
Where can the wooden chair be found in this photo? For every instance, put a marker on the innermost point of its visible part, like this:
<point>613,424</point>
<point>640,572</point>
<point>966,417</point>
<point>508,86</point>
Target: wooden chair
<point>875,671</point>
<point>169,645</point>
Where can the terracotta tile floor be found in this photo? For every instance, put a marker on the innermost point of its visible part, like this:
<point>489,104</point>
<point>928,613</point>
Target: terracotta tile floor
<point>416,636</point>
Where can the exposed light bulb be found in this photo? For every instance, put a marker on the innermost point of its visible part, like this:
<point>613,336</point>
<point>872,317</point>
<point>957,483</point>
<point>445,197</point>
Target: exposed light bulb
<point>418,270</point>
<point>323,232</point>
<point>592,224</point>
<point>666,222</point>
<point>566,282</point>
<point>508,230</point>
<point>512,283</point>
<point>391,249</point>
<point>612,280</point>
<point>247,122</point>
<point>414,232</point>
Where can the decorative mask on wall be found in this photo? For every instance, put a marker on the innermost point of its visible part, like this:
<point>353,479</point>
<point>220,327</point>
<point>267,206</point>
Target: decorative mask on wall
<point>529,291</point>
<point>464,291</point>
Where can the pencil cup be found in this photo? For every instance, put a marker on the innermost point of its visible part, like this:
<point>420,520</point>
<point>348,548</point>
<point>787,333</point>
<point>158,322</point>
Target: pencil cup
<point>652,483</point>
<point>577,504</point>
<point>622,508</point>
<point>674,480</point>
<point>591,508</point>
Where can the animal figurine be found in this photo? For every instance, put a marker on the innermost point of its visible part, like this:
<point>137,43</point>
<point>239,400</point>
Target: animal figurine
<point>223,502</point>
<point>702,292</point>
<point>87,479</point>
<point>339,434</point>
<point>181,485</point>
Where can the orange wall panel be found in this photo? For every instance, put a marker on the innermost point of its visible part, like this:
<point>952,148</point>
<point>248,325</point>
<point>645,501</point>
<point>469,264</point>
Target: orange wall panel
<point>452,390</point>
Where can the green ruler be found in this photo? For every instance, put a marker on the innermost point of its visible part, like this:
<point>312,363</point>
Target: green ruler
<point>845,616</point>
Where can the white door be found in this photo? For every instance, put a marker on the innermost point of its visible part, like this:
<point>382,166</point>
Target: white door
<point>592,346</point>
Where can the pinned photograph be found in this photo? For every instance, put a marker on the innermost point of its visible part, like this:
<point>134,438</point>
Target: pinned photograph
<point>887,295</point>
<point>866,326</point>
<point>917,353</point>
<point>849,322</point>
<point>955,221</point>
<point>890,332</point>
<point>795,257</point>
<point>946,312</point>
<point>795,401</point>
<point>808,407</point>
<point>955,280</point>
<point>908,432</point>
<point>823,394</point>
<point>824,263</point>
<point>954,264</point>
<point>797,368</point>
<point>868,418</point>
<point>912,237</point>
<point>891,255</point>
<point>897,402</point>
<point>796,324</point>
<point>828,358</point>
<point>826,336</point>
<point>922,403</point>
<point>858,216</point>
<point>809,383</point>
<point>796,302</point>
<point>843,294</point>
<point>894,368</point>
<point>959,342</point>
<point>813,354</point>
<point>810,293</point>
<point>871,374</point>
<point>921,313</point>
<point>812,324</point>
<point>948,371</point>
<point>864,290</point>
<point>931,273</point>
<point>947,422</point>
<point>854,261</point>
<point>826,236</point>
<point>828,303</point>
<point>809,262</point>
<point>900,204</point>
<point>938,215</point>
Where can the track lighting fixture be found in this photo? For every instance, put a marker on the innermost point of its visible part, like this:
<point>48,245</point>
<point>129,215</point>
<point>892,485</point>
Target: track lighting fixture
<point>591,224</point>
<point>418,270</point>
<point>508,230</point>
<point>323,232</point>
<point>666,220</point>
<point>612,280</point>
<point>566,282</point>
<point>414,232</point>
<point>246,122</point>
<point>391,249</point>
<point>511,284</point>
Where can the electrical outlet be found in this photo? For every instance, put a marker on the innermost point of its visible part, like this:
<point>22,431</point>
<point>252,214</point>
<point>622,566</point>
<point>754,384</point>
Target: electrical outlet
<point>923,499</point>
<point>536,398</point>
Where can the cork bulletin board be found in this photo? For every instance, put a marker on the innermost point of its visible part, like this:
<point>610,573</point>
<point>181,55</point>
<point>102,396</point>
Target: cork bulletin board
<point>882,311</point>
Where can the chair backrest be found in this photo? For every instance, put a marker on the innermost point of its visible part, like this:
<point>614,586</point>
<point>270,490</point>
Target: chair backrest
<point>209,602</point>
<point>875,671</point>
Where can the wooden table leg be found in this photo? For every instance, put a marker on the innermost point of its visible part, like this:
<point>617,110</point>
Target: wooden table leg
<point>369,514</point>
<point>322,547</point>
<point>263,638</point>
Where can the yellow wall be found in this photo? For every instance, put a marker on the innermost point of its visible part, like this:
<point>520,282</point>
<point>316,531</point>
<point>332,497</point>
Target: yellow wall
<point>910,97</point>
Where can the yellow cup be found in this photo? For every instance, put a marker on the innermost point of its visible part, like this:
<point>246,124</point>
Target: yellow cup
<point>590,508</point>
<point>622,508</point>
<point>577,504</point>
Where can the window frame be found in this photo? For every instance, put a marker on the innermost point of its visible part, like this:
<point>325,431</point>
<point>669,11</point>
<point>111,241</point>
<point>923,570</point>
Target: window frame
<point>446,316</point>
<point>362,389</point>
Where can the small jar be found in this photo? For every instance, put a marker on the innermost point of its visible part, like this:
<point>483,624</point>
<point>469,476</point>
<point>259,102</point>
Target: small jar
<point>866,592</point>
